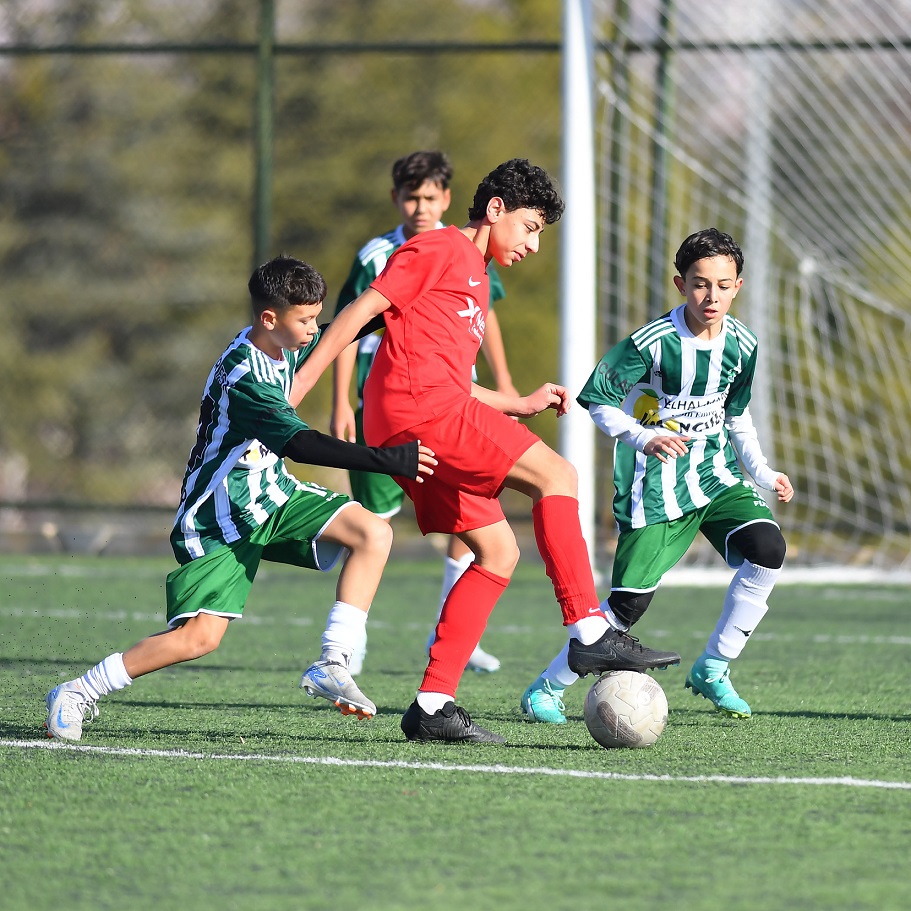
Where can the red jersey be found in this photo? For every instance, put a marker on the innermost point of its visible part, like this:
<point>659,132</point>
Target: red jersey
<point>438,288</point>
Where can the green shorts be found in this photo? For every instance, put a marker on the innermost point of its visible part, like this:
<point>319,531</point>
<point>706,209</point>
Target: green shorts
<point>219,582</point>
<point>376,492</point>
<point>644,555</point>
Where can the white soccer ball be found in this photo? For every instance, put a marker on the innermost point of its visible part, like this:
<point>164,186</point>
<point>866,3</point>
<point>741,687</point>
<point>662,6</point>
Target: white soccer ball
<point>625,709</point>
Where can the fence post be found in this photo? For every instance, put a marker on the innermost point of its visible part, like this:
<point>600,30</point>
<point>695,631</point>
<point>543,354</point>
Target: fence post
<point>263,134</point>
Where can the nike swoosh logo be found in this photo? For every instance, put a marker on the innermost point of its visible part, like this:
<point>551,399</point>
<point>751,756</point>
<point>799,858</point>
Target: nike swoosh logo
<point>472,283</point>
<point>594,610</point>
<point>746,632</point>
<point>60,722</point>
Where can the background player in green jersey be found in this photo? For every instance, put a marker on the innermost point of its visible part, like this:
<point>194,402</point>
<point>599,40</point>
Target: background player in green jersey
<point>240,505</point>
<point>674,394</point>
<point>420,191</point>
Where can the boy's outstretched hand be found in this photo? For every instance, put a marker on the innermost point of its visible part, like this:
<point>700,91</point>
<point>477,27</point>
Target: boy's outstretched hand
<point>426,461</point>
<point>550,395</point>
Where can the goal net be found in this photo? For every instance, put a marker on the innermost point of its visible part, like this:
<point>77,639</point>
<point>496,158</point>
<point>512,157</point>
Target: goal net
<point>786,123</point>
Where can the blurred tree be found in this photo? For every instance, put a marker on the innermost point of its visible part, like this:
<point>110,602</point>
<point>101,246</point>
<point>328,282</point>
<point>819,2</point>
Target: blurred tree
<point>126,201</point>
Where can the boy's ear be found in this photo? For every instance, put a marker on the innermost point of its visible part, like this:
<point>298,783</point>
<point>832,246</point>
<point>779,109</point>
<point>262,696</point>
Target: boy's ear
<point>268,318</point>
<point>681,285</point>
<point>495,208</point>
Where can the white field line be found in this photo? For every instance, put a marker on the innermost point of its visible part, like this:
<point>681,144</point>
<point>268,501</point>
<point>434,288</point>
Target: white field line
<point>846,782</point>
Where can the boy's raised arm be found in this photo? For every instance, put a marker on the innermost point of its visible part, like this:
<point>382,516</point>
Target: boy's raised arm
<point>340,333</point>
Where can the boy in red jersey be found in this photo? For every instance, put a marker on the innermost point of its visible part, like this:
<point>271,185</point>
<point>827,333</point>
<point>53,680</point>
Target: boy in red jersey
<point>433,297</point>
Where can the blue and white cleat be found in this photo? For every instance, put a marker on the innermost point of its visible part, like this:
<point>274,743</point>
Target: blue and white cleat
<point>333,681</point>
<point>68,708</point>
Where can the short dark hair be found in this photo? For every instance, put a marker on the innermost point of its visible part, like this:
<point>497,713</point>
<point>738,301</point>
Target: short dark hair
<point>520,185</point>
<point>410,171</point>
<point>285,282</point>
<point>705,244</point>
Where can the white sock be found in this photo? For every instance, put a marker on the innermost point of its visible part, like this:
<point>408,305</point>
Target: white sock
<point>345,628</point>
<point>588,629</point>
<point>744,606</point>
<point>558,670</point>
<point>107,677</point>
<point>612,618</point>
<point>433,702</point>
<point>452,572</point>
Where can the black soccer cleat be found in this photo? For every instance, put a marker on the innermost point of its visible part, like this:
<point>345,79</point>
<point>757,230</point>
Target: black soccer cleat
<point>616,651</point>
<point>450,724</point>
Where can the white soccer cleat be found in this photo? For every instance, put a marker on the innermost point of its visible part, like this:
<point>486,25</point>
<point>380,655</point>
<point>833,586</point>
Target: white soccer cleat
<point>482,661</point>
<point>68,708</point>
<point>331,680</point>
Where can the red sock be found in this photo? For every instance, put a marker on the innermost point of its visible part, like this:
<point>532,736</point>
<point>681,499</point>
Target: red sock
<point>558,534</point>
<point>461,626</point>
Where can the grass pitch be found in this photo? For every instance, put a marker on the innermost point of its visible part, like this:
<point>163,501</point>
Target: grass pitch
<point>220,785</point>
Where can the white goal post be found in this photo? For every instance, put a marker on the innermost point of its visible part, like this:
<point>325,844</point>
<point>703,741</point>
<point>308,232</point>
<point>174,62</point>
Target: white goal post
<point>787,125</point>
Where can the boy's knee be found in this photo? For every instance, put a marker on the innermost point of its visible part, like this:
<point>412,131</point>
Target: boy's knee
<point>200,640</point>
<point>570,474</point>
<point>629,606</point>
<point>561,477</point>
<point>500,557</point>
<point>380,535</point>
<point>368,532</point>
<point>762,544</point>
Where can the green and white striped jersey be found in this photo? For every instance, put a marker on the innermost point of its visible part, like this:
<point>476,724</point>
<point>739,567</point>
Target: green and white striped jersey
<point>371,259</point>
<point>694,384</point>
<point>235,478</point>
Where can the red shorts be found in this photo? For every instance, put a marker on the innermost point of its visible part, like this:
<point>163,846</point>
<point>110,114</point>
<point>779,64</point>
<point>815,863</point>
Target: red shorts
<point>476,447</point>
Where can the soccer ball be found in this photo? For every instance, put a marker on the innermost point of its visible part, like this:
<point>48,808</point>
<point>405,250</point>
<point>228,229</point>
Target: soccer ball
<point>625,709</point>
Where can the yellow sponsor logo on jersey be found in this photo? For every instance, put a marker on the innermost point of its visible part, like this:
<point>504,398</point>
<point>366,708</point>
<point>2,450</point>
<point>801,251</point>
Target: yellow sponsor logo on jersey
<point>646,402</point>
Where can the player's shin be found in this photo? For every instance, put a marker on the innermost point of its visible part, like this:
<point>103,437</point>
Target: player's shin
<point>461,625</point>
<point>558,534</point>
<point>745,604</point>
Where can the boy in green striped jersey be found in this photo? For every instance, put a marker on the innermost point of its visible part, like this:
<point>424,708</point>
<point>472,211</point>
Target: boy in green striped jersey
<point>240,505</point>
<point>420,191</point>
<point>675,396</point>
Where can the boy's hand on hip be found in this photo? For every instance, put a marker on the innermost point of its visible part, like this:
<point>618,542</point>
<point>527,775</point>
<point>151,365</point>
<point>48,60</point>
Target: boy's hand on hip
<point>426,461</point>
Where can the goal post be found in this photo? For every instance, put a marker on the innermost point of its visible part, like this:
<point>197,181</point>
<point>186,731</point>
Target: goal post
<point>786,125</point>
<point>578,283</point>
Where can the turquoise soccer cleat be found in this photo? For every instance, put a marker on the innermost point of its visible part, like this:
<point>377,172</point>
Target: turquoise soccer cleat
<point>710,677</point>
<point>542,702</point>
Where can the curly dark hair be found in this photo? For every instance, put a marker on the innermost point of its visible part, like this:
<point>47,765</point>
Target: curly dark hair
<point>520,185</point>
<point>705,244</point>
<point>285,282</point>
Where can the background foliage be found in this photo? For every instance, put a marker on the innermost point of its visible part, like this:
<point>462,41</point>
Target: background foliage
<point>126,196</point>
